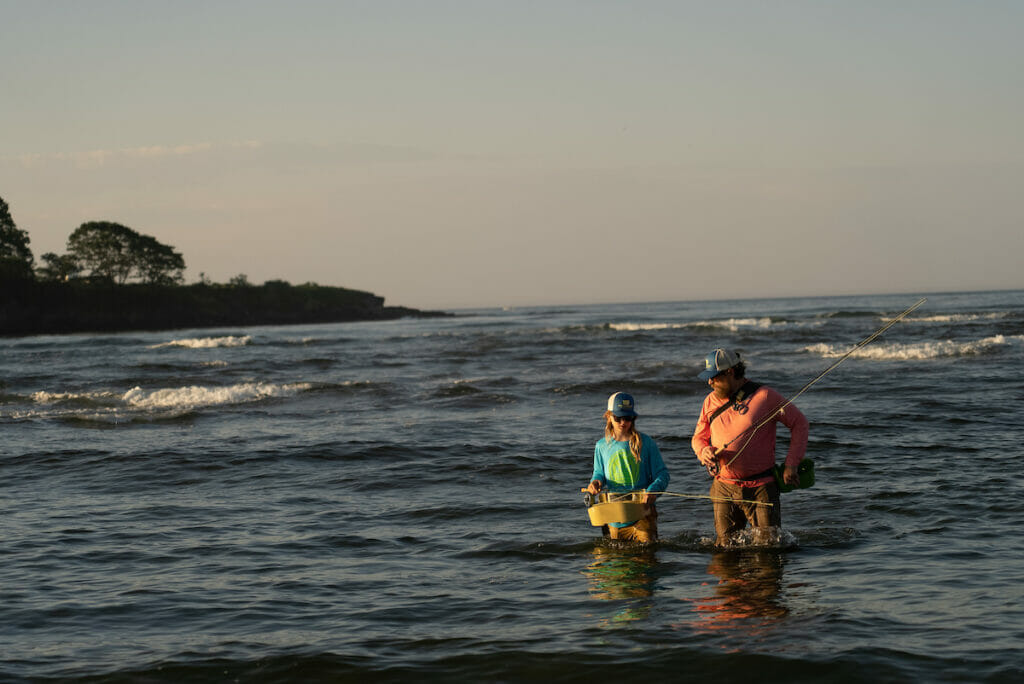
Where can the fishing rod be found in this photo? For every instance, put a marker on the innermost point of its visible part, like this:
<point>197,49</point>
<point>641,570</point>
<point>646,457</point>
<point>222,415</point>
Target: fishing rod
<point>714,468</point>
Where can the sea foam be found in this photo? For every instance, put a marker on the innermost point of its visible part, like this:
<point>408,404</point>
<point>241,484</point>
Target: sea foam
<point>207,342</point>
<point>919,351</point>
<point>730,324</point>
<point>954,318</point>
<point>633,327</point>
<point>195,397</point>
<point>44,397</point>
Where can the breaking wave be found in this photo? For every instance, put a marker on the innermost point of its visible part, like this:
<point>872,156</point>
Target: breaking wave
<point>954,318</point>
<point>730,324</point>
<point>633,327</point>
<point>84,398</point>
<point>919,351</point>
<point>104,405</point>
<point>207,342</point>
<point>197,397</point>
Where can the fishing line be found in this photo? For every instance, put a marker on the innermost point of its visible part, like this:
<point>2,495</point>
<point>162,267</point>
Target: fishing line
<point>713,498</point>
<point>866,341</point>
<point>628,496</point>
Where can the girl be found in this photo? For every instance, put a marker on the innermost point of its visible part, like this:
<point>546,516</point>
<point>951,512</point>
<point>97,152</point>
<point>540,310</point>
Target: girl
<point>627,461</point>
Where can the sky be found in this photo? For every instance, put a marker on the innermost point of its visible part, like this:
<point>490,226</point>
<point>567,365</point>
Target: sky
<point>447,154</point>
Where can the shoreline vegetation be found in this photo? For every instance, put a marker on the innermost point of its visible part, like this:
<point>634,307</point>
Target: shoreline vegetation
<point>115,279</point>
<point>30,307</point>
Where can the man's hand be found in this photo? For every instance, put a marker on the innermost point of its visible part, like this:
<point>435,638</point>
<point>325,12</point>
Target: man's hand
<point>707,455</point>
<point>650,498</point>
<point>594,487</point>
<point>790,476</point>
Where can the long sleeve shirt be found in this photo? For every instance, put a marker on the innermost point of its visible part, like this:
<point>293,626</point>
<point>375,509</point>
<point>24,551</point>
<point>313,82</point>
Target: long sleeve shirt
<point>617,469</point>
<point>733,426</point>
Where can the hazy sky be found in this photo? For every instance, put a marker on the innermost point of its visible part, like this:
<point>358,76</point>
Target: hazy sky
<point>453,153</point>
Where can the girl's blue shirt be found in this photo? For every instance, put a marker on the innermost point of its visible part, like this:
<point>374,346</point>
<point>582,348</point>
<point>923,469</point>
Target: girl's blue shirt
<point>616,468</point>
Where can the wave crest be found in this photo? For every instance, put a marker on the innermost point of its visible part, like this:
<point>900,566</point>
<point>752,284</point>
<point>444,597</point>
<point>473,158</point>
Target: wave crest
<point>196,397</point>
<point>954,318</point>
<point>919,351</point>
<point>207,342</point>
<point>730,324</point>
<point>83,398</point>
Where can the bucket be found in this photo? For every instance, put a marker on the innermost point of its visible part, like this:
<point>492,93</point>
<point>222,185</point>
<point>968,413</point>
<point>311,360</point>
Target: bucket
<point>623,507</point>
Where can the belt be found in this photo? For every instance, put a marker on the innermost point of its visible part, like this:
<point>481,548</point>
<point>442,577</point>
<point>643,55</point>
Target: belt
<point>767,473</point>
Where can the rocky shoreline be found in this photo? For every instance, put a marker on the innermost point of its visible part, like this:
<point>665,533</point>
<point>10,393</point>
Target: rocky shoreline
<point>38,308</point>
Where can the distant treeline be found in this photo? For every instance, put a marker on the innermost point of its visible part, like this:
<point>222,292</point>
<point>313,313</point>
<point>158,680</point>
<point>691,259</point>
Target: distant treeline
<point>113,278</point>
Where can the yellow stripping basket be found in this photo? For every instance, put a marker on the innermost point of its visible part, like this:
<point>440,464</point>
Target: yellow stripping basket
<point>617,507</point>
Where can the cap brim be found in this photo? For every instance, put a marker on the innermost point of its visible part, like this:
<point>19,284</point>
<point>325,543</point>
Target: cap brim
<point>708,374</point>
<point>625,414</point>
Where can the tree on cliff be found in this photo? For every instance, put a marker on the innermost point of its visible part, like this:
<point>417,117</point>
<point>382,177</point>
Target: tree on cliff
<point>15,255</point>
<point>116,252</point>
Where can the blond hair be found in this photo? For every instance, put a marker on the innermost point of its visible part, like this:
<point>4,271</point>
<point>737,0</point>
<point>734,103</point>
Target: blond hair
<point>635,441</point>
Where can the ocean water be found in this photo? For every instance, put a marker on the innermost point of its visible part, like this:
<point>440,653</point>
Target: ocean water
<point>396,501</point>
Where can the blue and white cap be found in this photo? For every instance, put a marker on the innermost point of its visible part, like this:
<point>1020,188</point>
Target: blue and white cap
<point>718,361</point>
<point>622,404</point>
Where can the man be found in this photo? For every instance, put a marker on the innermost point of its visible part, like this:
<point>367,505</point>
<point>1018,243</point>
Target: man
<point>741,455</point>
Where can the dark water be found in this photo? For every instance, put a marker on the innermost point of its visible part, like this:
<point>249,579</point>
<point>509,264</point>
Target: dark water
<point>400,500</point>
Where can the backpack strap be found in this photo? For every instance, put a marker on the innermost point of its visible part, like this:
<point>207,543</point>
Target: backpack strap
<point>744,392</point>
